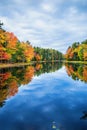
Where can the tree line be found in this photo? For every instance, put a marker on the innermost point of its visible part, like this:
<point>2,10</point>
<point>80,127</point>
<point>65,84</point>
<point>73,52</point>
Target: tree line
<point>77,52</point>
<point>12,78</point>
<point>13,51</point>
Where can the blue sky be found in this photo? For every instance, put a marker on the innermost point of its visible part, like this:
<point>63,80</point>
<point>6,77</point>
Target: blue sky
<point>46,23</point>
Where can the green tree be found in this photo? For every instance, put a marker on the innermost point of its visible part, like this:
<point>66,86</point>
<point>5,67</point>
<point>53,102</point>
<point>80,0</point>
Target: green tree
<point>75,45</point>
<point>84,42</point>
<point>80,54</point>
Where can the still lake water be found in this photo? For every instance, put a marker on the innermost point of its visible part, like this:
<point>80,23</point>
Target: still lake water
<point>44,97</point>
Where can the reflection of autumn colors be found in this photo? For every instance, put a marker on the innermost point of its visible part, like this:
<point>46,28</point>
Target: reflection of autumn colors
<point>29,73</point>
<point>77,72</point>
<point>12,78</point>
<point>13,88</point>
<point>85,73</point>
<point>38,66</point>
<point>3,78</point>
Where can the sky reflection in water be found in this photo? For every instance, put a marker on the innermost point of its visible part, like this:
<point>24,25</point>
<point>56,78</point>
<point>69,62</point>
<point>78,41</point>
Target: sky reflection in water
<point>50,101</point>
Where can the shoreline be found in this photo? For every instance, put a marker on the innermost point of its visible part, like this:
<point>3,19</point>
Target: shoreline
<point>76,62</point>
<point>4,65</point>
<point>8,65</point>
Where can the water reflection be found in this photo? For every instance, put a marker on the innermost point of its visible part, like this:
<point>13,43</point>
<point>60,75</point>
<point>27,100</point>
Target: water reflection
<point>84,116</point>
<point>77,71</point>
<point>55,126</point>
<point>12,78</point>
<point>46,102</point>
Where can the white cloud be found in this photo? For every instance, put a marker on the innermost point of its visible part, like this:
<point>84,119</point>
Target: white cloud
<point>47,7</point>
<point>45,24</point>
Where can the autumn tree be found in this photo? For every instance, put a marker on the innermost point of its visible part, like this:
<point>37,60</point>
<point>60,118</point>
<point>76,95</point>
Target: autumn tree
<point>78,51</point>
<point>28,51</point>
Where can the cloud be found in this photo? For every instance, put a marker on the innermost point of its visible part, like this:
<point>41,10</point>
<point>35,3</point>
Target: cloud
<point>47,7</point>
<point>46,23</point>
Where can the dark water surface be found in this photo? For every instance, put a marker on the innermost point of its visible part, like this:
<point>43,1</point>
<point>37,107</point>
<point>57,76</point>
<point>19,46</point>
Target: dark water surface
<point>49,96</point>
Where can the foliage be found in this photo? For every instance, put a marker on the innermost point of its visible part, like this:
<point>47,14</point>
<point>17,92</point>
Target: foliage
<point>78,51</point>
<point>11,49</point>
<point>77,71</point>
<point>47,54</point>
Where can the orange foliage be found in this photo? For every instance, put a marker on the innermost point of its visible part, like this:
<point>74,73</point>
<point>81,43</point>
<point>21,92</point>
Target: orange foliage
<point>13,88</point>
<point>69,50</point>
<point>67,70</point>
<point>7,41</point>
<point>7,75</point>
<point>9,48</point>
<point>11,39</point>
<point>69,53</point>
<point>29,73</point>
<point>3,78</point>
<point>85,55</point>
<point>28,51</point>
<point>83,76</point>
<point>6,56</point>
<point>38,66</point>
<point>37,57</point>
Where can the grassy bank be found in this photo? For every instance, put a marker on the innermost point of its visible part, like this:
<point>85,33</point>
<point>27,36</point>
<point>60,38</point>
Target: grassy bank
<point>76,62</point>
<point>4,65</point>
<point>7,65</point>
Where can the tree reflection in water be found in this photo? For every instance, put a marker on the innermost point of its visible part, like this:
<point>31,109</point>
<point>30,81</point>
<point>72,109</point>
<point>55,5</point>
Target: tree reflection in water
<point>77,71</point>
<point>12,78</point>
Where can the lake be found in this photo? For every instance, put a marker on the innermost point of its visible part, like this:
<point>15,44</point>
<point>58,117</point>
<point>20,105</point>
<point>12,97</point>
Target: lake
<point>49,96</point>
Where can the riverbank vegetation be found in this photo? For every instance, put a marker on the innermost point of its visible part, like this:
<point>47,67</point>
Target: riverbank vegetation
<point>14,51</point>
<point>77,52</point>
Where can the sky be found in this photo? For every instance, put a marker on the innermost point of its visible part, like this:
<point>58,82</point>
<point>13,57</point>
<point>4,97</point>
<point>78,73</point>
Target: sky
<point>46,23</point>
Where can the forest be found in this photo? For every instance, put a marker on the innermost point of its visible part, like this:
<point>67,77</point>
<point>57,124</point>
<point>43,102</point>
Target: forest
<point>12,50</point>
<point>77,52</point>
